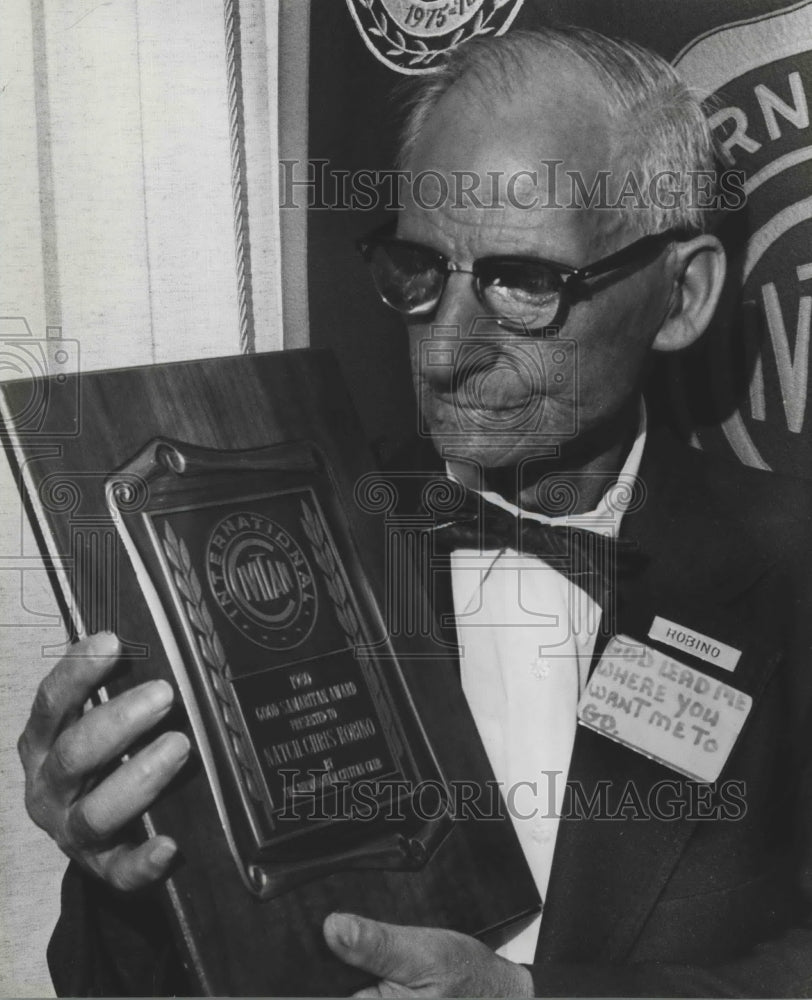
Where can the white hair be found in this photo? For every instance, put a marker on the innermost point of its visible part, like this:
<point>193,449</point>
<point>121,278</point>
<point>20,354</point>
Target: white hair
<point>660,130</point>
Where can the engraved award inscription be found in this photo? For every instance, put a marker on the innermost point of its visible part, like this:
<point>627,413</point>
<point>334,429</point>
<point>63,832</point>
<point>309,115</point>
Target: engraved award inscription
<point>311,745</point>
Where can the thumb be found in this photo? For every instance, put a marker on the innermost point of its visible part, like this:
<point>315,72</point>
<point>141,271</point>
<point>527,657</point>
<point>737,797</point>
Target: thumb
<point>384,950</point>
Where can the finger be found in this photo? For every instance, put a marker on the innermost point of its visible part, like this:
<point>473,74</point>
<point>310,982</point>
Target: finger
<point>104,733</point>
<point>378,991</point>
<point>385,990</point>
<point>387,951</point>
<point>67,687</point>
<point>126,793</point>
<point>127,866</point>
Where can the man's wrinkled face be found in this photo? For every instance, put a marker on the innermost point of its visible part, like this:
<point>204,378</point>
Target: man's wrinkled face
<point>486,394</point>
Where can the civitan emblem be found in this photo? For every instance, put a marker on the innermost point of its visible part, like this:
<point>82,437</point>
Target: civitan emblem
<point>410,35</point>
<point>261,580</point>
<point>756,74</point>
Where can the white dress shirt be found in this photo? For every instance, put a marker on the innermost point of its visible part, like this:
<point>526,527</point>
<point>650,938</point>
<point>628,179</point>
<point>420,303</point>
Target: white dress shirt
<point>526,637</point>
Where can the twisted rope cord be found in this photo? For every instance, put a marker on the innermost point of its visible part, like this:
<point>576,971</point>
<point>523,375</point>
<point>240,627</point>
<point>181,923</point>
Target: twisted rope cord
<point>239,183</point>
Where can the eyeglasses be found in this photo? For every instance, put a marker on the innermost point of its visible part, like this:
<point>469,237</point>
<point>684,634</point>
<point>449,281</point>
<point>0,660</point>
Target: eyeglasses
<point>527,295</point>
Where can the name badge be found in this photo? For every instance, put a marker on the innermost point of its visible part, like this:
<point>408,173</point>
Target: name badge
<point>671,634</point>
<point>663,709</point>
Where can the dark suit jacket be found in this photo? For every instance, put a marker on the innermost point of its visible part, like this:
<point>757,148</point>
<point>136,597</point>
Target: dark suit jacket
<point>638,905</point>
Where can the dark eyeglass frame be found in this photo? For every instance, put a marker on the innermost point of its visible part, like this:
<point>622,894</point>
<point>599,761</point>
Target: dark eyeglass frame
<point>569,279</point>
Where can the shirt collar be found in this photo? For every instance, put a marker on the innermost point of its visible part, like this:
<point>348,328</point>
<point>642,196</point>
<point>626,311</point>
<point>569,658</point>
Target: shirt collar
<point>606,517</point>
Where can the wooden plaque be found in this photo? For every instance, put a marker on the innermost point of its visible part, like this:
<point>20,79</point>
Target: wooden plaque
<point>207,513</point>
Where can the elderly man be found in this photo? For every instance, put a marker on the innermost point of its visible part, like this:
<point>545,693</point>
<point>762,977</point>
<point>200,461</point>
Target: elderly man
<point>533,313</point>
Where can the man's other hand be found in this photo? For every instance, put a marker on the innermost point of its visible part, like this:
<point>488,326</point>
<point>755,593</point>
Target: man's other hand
<point>64,753</point>
<point>422,961</point>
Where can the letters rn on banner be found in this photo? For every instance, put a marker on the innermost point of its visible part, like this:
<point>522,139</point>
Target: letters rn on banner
<point>756,75</point>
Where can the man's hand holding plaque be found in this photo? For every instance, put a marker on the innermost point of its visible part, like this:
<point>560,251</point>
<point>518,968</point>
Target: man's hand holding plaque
<point>64,753</point>
<point>423,961</point>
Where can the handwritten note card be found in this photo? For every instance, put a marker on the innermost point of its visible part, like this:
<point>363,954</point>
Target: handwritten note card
<point>665,710</point>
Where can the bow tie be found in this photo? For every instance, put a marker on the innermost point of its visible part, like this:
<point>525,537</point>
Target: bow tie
<point>591,560</point>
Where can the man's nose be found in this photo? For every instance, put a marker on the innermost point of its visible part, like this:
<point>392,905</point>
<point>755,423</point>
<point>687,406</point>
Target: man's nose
<point>458,319</point>
<point>458,307</point>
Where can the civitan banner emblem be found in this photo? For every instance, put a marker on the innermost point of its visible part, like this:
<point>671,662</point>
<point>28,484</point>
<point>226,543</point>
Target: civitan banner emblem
<point>410,35</point>
<point>261,580</point>
<point>757,74</point>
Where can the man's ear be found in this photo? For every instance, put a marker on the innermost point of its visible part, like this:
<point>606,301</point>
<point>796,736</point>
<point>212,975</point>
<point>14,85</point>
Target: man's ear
<point>697,271</point>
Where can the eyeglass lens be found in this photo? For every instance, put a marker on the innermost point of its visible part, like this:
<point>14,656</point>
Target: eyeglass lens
<point>527,293</point>
<point>407,278</point>
<point>411,280</point>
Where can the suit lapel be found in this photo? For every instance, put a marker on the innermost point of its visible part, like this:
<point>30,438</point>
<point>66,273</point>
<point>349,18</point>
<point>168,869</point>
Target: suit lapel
<point>608,872</point>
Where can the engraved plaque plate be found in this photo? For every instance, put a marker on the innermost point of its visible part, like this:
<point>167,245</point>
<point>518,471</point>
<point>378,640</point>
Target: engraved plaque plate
<point>312,748</point>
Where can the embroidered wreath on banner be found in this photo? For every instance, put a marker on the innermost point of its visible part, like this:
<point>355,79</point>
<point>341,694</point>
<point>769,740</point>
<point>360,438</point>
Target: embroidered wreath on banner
<point>326,559</point>
<point>210,649</point>
<point>409,53</point>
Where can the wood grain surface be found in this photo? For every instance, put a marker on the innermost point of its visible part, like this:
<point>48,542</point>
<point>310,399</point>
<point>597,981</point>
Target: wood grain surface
<point>233,944</point>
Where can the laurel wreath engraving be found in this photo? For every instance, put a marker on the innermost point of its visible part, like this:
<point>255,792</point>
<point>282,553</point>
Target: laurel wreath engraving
<point>326,559</point>
<point>327,562</point>
<point>421,54</point>
<point>211,652</point>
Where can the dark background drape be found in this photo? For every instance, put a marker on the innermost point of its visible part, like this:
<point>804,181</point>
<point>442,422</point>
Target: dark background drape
<point>743,391</point>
